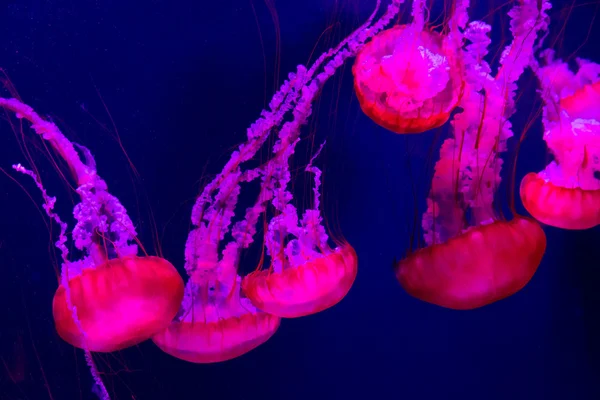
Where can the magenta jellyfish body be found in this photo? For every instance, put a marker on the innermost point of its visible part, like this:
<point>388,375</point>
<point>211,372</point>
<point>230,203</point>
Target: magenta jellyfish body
<point>473,258</point>
<point>566,194</point>
<point>408,78</point>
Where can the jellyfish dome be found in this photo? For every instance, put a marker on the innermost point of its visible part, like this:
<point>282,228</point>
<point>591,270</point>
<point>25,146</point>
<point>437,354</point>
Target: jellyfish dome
<point>215,322</point>
<point>566,194</point>
<point>478,267</point>
<point>307,288</point>
<point>120,303</point>
<point>473,258</point>
<point>408,79</point>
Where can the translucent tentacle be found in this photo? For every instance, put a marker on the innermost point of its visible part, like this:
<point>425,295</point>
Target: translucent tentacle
<point>64,274</point>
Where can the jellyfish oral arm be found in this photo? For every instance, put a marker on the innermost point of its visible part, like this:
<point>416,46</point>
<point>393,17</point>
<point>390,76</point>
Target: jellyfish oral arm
<point>483,128</point>
<point>50,132</point>
<point>99,212</point>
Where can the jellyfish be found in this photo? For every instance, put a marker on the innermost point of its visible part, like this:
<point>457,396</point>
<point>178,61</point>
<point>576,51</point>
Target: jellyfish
<point>473,258</point>
<point>216,323</point>
<point>224,315</point>
<point>566,194</point>
<point>409,78</point>
<point>306,275</point>
<point>110,298</point>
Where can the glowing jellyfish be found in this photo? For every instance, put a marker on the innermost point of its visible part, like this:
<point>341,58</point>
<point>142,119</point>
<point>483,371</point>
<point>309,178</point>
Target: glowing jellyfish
<point>306,275</point>
<point>218,321</point>
<point>120,299</point>
<point>409,78</point>
<point>566,194</point>
<point>215,323</point>
<point>473,259</point>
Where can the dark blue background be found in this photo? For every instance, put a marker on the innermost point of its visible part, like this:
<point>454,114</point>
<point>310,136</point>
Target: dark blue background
<point>182,80</point>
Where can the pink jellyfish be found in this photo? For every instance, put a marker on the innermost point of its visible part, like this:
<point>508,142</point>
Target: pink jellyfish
<point>218,320</point>
<point>305,275</point>
<point>121,299</point>
<point>472,258</point>
<point>409,78</point>
<point>111,298</point>
<point>566,194</point>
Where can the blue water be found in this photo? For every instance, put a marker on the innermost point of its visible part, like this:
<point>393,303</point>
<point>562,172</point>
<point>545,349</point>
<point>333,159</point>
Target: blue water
<point>182,80</point>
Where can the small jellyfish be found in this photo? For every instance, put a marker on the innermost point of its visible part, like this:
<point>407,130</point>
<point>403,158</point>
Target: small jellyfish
<point>306,275</point>
<point>408,79</point>
<point>566,194</point>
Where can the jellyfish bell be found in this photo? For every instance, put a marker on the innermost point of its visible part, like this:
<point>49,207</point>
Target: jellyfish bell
<point>566,194</point>
<point>472,256</point>
<point>407,84</point>
<point>309,287</point>
<point>408,78</point>
<point>485,264</point>
<point>120,303</point>
<point>216,340</point>
<point>215,324</point>
<point>558,206</point>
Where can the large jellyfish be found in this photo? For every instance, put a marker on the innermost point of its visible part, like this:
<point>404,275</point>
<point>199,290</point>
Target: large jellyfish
<point>566,194</point>
<point>473,258</point>
<point>409,78</point>
<point>110,298</point>
<point>219,321</point>
<point>121,299</point>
